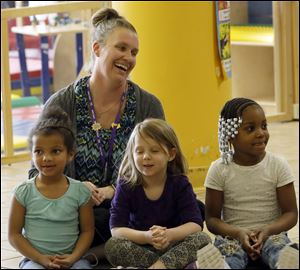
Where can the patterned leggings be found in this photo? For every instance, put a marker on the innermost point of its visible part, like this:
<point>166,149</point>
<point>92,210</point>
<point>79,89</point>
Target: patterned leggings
<point>120,251</point>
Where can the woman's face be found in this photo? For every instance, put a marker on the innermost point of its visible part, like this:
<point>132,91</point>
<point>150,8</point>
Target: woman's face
<point>117,58</point>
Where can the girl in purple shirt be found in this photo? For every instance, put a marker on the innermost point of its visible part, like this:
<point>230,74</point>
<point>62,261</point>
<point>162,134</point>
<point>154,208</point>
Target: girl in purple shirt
<point>155,219</point>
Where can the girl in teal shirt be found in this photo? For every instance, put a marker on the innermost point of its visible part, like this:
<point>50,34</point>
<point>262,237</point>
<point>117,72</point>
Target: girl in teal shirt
<point>51,220</point>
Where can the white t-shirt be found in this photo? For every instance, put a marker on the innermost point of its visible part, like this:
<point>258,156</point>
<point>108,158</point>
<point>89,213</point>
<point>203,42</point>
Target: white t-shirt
<point>250,199</point>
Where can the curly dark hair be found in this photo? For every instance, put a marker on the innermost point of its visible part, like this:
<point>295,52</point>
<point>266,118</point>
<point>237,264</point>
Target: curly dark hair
<point>54,120</point>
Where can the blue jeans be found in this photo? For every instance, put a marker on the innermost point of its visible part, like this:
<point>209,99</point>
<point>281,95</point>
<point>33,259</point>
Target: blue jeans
<point>237,258</point>
<point>28,264</point>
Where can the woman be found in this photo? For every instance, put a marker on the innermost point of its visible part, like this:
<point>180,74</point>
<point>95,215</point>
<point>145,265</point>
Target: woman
<point>104,108</point>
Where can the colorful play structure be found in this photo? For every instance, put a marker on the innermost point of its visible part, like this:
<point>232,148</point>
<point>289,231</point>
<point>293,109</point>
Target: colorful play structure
<point>20,100</point>
<point>36,57</point>
<point>35,51</point>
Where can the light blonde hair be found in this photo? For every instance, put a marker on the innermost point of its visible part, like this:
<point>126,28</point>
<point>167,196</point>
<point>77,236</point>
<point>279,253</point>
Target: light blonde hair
<point>161,132</point>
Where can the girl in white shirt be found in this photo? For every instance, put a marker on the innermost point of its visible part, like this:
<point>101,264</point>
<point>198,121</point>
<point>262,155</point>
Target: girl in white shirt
<point>250,197</point>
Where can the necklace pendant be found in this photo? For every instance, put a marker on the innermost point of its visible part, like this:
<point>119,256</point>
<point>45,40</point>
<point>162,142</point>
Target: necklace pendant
<point>96,126</point>
<point>115,125</point>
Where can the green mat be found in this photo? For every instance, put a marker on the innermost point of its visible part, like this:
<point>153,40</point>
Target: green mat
<point>25,102</point>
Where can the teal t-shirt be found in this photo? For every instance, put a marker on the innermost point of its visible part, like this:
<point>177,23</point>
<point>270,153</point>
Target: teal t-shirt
<point>52,225</point>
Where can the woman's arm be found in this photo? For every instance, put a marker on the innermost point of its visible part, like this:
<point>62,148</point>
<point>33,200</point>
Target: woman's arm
<point>19,242</point>
<point>148,105</point>
<point>100,194</point>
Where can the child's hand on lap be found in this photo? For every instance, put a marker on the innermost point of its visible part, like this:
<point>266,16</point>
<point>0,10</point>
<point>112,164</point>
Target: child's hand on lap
<point>48,262</point>
<point>160,237</point>
<point>65,261</point>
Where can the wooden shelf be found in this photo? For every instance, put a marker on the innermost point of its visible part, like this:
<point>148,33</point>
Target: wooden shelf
<point>252,35</point>
<point>46,30</point>
<point>252,56</point>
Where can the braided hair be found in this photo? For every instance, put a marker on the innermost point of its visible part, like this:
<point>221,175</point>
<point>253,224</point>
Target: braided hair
<point>54,120</point>
<point>229,121</point>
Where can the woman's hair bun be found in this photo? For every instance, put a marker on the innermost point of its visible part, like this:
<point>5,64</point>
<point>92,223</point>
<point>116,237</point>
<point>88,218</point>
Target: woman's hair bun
<point>104,15</point>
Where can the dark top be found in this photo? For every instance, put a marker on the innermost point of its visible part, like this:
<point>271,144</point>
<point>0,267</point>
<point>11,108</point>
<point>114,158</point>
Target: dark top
<point>176,206</point>
<point>139,106</point>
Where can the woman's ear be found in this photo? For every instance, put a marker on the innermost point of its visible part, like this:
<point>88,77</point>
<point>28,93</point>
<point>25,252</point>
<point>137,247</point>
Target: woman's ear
<point>96,48</point>
<point>172,154</point>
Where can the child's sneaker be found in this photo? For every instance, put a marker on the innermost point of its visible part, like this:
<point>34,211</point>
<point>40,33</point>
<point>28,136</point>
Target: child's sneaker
<point>288,258</point>
<point>209,257</point>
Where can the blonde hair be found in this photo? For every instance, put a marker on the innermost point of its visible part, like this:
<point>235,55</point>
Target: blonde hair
<point>104,22</point>
<point>161,132</point>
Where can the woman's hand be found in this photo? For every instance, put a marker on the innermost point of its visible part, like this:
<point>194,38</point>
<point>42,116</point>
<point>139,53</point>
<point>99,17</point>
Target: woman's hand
<point>95,196</point>
<point>105,193</point>
<point>100,194</point>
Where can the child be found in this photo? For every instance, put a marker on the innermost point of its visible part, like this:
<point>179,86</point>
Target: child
<point>51,219</point>
<point>250,197</point>
<point>155,220</point>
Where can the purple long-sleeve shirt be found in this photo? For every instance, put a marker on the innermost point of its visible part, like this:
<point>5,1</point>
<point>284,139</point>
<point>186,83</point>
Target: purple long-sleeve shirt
<point>176,206</point>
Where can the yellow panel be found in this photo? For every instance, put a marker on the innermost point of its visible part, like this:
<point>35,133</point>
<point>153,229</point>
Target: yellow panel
<point>259,34</point>
<point>35,91</point>
<point>14,96</point>
<point>178,62</point>
<point>19,142</point>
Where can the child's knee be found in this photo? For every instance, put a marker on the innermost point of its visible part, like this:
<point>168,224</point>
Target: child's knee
<point>115,248</point>
<point>274,244</point>
<point>200,239</point>
<point>277,240</point>
<point>113,244</point>
<point>228,247</point>
<point>203,238</point>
